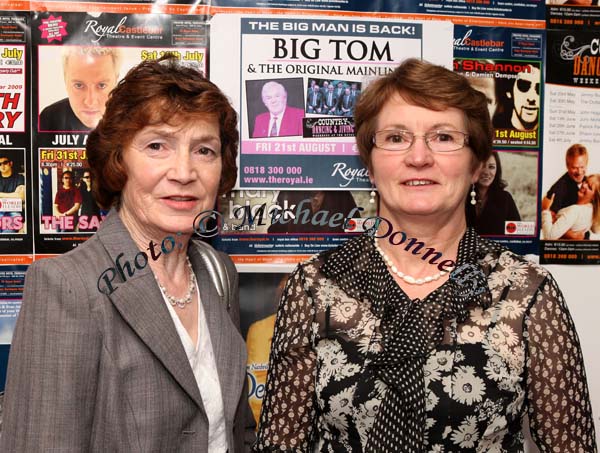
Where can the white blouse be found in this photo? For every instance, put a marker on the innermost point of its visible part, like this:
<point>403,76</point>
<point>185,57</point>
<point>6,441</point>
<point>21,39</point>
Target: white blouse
<point>202,361</point>
<point>576,217</point>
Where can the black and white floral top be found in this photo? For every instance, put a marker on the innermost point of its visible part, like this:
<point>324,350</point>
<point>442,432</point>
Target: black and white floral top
<point>485,362</point>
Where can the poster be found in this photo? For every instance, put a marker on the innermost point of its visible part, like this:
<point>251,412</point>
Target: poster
<point>493,12</point>
<point>569,230</point>
<point>15,182</point>
<point>572,14</point>
<point>292,133</point>
<point>96,7</point>
<point>259,297</point>
<point>78,59</point>
<point>140,2</point>
<point>272,227</point>
<point>65,197</point>
<point>12,280</point>
<point>13,194</point>
<point>506,65</point>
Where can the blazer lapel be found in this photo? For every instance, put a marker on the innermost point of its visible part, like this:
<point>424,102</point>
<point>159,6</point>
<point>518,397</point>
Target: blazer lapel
<point>140,303</point>
<point>226,341</point>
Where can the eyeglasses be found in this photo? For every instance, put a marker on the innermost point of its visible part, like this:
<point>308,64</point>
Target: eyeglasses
<point>85,177</point>
<point>437,141</point>
<point>525,85</point>
<point>5,162</point>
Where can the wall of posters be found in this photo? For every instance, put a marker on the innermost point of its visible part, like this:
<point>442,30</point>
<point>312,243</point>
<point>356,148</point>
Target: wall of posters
<point>15,183</point>
<point>78,59</point>
<point>570,229</point>
<point>506,64</point>
<point>298,80</point>
<point>542,106</point>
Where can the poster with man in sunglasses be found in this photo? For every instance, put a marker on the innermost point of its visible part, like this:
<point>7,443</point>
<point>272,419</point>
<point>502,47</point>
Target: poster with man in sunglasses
<point>518,112</point>
<point>12,192</point>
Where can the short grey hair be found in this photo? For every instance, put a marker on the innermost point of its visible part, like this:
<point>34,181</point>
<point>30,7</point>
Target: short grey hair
<point>95,51</point>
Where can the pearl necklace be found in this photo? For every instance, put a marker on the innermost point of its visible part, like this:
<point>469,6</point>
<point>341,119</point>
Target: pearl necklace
<point>187,299</point>
<point>407,278</point>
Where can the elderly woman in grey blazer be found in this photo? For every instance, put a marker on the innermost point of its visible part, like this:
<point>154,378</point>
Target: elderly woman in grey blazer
<point>123,344</point>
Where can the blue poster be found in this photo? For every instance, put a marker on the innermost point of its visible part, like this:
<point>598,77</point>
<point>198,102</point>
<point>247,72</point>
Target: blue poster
<point>298,81</point>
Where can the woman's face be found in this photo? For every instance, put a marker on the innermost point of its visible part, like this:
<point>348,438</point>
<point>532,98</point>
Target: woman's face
<point>488,173</point>
<point>316,201</point>
<point>173,173</point>
<point>487,87</point>
<point>417,181</point>
<point>586,191</point>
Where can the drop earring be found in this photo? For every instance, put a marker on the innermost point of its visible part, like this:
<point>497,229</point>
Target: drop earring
<point>372,194</point>
<point>473,195</point>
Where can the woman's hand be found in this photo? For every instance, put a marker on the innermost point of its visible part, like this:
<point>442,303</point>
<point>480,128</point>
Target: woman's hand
<point>547,202</point>
<point>574,235</point>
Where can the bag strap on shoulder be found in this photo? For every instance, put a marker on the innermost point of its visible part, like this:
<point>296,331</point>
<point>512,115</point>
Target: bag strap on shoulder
<point>217,270</point>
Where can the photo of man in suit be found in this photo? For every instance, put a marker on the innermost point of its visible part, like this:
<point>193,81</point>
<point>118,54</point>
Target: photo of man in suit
<point>354,92</point>
<point>280,120</point>
<point>340,89</point>
<point>346,104</point>
<point>90,73</point>
<point>311,87</point>
<point>325,87</point>
<point>330,103</point>
<point>314,101</point>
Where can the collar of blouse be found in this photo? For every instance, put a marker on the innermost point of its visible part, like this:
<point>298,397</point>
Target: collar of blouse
<point>360,271</point>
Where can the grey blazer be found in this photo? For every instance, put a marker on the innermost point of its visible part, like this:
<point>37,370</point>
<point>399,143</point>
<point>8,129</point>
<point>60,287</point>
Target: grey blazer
<point>89,372</point>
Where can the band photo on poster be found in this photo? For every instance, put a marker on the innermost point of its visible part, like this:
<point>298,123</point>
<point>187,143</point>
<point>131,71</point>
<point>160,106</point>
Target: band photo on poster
<point>332,97</point>
<point>12,192</point>
<point>66,203</point>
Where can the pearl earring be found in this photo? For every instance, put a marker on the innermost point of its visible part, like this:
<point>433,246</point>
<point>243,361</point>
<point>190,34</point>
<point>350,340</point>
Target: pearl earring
<point>473,195</point>
<point>372,194</point>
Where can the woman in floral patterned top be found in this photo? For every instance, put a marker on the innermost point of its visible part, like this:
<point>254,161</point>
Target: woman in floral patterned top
<point>438,344</point>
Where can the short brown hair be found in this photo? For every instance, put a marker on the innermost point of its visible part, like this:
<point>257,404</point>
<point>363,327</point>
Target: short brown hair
<point>154,92</point>
<point>574,151</point>
<point>430,86</point>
